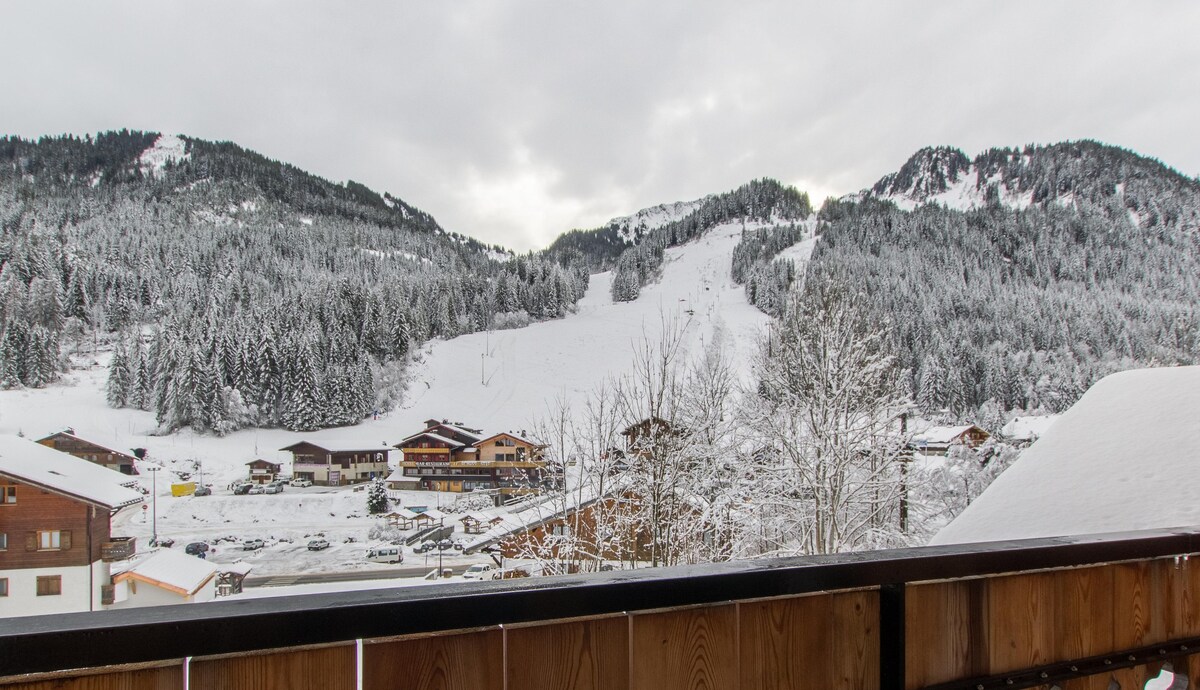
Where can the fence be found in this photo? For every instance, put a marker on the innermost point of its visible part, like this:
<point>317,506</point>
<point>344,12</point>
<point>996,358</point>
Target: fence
<point>1079,612</point>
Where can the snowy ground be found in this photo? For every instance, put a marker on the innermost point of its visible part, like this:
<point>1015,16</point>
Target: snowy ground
<point>502,380</point>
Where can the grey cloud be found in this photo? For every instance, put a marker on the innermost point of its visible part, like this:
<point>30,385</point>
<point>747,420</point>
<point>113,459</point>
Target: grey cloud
<point>515,121</point>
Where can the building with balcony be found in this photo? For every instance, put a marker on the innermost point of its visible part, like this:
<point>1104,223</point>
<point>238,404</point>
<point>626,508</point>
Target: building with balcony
<point>56,538</point>
<point>334,463</point>
<point>451,457</point>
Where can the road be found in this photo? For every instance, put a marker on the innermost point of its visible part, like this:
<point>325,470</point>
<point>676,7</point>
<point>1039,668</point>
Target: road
<point>280,580</point>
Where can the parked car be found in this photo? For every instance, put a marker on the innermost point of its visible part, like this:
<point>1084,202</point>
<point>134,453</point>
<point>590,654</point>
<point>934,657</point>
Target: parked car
<point>252,544</point>
<point>444,544</point>
<point>424,547</point>
<point>273,488</point>
<point>202,491</point>
<point>166,542</point>
<point>480,571</point>
<point>459,545</point>
<point>257,489</point>
<point>386,554</point>
<point>196,548</point>
<point>242,489</point>
<point>301,483</point>
<point>318,544</point>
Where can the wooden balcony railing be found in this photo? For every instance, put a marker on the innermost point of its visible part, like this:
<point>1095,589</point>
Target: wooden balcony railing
<point>118,548</point>
<point>1078,612</point>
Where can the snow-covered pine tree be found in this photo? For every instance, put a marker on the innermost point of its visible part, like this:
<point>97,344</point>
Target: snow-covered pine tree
<point>377,499</point>
<point>120,378</point>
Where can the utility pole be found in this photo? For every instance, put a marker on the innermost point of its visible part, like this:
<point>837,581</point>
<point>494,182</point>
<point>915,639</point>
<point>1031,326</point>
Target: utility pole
<point>905,456</point>
<point>154,505</point>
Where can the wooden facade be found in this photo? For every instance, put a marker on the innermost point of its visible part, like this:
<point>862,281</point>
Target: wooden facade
<point>67,442</point>
<point>579,525</point>
<point>939,440</point>
<point>263,471</point>
<point>83,528</point>
<point>648,433</point>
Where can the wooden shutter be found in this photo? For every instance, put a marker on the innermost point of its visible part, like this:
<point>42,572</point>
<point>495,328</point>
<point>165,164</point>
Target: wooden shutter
<point>64,539</point>
<point>31,541</point>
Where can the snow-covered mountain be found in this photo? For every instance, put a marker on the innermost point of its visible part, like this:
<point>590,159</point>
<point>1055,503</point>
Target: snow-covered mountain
<point>634,227</point>
<point>497,380</point>
<point>1016,279</point>
<point>1087,174</point>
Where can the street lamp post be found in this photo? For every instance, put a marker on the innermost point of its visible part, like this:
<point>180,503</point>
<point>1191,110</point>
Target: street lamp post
<point>153,505</point>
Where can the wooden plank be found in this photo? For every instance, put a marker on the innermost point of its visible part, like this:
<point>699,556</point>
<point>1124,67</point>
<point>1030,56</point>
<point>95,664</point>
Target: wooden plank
<point>325,667</point>
<point>854,661</point>
<point>581,655</point>
<point>471,661</point>
<point>691,649</point>
<point>944,632</point>
<point>785,643</point>
<point>164,678</point>
<point>1020,621</point>
<point>1083,624</point>
<point>1133,615</point>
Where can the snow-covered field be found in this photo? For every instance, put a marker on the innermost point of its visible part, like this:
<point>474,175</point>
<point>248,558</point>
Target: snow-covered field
<point>502,380</point>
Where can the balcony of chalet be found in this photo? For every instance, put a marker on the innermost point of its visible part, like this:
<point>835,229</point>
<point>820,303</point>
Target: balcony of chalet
<point>118,549</point>
<point>1097,611</point>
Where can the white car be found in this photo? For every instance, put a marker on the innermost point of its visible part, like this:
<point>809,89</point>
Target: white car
<point>302,483</point>
<point>480,571</point>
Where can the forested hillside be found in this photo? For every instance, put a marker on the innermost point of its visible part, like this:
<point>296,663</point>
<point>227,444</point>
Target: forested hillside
<point>1022,277</point>
<point>241,291</point>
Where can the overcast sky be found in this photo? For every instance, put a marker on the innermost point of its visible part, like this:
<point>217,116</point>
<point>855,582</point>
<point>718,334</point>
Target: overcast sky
<point>515,121</point>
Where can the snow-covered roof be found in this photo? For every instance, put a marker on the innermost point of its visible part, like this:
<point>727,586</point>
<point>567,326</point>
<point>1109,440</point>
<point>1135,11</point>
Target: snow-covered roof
<point>398,475</point>
<point>457,429</point>
<point>404,513</point>
<point>1028,428</point>
<point>941,435</point>
<point>239,568</point>
<point>548,508</point>
<point>172,570</point>
<point>436,437</point>
<point>435,514</point>
<point>1120,459</point>
<point>338,446</point>
<point>34,463</point>
<point>510,434</point>
<point>108,445</point>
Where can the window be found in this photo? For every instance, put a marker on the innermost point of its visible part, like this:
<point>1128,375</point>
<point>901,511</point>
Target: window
<point>8,494</point>
<point>49,541</point>
<point>3,586</point>
<point>561,530</point>
<point>49,585</point>
<point>3,541</point>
